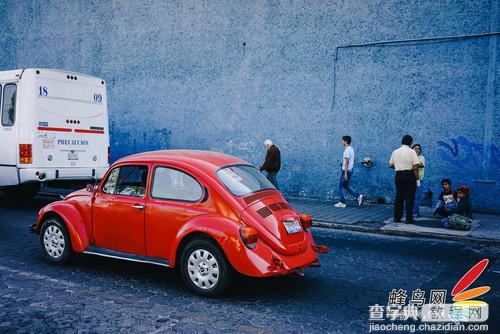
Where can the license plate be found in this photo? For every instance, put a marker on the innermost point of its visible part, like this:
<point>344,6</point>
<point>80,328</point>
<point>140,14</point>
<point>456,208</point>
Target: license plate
<point>292,226</point>
<point>72,156</point>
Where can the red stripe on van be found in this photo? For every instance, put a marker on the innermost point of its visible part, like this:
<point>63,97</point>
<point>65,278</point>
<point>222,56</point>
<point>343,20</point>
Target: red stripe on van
<point>89,131</point>
<point>46,128</point>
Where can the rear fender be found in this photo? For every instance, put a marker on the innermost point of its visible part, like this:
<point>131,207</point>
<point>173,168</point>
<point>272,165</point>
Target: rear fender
<point>224,231</point>
<point>71,218</point>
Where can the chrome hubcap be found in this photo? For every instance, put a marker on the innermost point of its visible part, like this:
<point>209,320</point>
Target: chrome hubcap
<point>203,269</point>
<point>53,240</point>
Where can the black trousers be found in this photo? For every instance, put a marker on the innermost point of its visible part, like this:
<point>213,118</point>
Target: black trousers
<point>406,186</point>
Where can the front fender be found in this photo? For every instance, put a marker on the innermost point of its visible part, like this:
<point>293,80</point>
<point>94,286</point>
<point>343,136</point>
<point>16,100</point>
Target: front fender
<point>73,220</point>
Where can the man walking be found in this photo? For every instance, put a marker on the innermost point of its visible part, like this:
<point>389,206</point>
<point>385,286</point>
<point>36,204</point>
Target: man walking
<point>272,164</point>
<point>405,161</point>
<point>346,174</point>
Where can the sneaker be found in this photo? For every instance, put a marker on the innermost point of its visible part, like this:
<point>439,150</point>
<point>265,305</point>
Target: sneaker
<point>340,205</point>
<point>360,200</point>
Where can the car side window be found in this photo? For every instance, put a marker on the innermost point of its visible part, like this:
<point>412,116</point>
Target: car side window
<point>9,105</point>
<point>169,183</point>
<point>127,180</point>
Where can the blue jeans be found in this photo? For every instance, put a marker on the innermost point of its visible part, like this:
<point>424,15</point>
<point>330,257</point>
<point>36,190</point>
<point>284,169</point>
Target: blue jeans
<point>418,199</point>
<point>272,177</point>
<point>343,184</point>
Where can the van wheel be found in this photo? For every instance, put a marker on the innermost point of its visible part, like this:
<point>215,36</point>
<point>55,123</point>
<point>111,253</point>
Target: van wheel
<point>54,238</point>
<point>205,269</point>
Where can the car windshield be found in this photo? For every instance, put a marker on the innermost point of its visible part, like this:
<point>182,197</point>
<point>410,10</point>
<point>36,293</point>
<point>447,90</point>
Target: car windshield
<point>242,180</point>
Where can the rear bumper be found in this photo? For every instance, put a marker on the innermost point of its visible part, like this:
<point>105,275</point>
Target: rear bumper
<point>67,173</point>
<point>263,261</point>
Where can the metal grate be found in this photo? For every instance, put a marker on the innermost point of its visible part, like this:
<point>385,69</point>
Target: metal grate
<point>264,212</point>
<point>252,198</point>
<point>283,205</point>
<point>261,194</point>
<point>275,207</point>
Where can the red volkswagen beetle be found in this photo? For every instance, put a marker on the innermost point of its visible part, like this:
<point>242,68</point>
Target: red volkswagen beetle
<point>208,213</point>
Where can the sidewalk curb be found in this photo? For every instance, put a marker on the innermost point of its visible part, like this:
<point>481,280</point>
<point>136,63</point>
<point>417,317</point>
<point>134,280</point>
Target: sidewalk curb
<point>346,227</point>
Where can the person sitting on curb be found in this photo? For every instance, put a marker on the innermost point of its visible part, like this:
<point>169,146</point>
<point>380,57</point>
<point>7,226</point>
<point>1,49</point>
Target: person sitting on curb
<point>460,217</point>
<point>446,200</point>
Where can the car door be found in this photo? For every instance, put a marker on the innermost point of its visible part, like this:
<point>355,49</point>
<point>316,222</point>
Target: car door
<point>175,196</point>
<point>118,210</point>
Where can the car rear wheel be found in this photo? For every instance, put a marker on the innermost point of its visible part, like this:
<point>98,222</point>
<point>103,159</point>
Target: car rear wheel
<point>54,238</point>
<point>205,269</point>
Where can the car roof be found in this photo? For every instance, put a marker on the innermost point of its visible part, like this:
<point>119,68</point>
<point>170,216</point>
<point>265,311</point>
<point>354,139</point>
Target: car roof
<point>205,160</point>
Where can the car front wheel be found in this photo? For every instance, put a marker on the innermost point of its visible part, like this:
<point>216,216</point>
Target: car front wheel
<point>205,269</point>
<point>56,245</point>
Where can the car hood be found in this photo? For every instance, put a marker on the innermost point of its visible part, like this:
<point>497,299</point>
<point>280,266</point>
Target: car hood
<point>78,193</point>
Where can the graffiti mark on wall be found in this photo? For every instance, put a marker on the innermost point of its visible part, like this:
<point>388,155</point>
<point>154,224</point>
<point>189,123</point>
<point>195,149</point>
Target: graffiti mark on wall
<point>464,153</point>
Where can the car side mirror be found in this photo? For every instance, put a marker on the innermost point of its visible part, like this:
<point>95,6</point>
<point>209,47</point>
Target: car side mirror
<point>91,188</point>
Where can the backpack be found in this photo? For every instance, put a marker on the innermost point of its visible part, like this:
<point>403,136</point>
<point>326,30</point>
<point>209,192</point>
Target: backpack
<point>459,222</point>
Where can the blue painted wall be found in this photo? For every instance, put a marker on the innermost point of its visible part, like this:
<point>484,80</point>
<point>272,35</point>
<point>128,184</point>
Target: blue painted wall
<point>225,75</point>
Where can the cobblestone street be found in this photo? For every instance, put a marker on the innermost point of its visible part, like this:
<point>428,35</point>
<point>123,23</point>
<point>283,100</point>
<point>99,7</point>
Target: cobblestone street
<point>100,295</point>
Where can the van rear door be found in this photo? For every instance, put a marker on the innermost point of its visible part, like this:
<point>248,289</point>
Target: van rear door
<point>72,121</point>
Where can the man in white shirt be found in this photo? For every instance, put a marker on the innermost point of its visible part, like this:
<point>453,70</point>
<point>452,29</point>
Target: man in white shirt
<point>405,161</point>
<point>346,174</point>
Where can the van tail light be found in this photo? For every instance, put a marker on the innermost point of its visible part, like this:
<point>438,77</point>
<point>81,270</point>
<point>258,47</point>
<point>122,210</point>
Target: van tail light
<point>109,154</point>
<point>249,236</point>
<point>306,221</point>
<point>25,154</point>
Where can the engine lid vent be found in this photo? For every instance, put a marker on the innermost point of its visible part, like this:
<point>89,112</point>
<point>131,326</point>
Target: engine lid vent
<point>264,212</point>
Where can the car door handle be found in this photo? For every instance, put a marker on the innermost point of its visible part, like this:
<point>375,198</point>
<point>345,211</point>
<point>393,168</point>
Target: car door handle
<point>138,206</point>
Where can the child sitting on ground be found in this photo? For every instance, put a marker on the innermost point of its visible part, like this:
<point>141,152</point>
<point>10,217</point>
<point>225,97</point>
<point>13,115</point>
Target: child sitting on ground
<point>446,200</point>
<point>461,217</point>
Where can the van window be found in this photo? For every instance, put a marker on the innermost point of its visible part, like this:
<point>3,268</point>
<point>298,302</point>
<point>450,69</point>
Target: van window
<point>9,105</point>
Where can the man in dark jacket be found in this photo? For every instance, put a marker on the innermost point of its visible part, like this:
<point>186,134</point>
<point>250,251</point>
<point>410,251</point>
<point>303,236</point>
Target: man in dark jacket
<point>272,164</point>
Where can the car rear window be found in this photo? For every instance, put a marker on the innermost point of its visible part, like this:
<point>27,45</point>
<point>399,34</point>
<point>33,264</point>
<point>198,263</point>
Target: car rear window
<point>242,180</point>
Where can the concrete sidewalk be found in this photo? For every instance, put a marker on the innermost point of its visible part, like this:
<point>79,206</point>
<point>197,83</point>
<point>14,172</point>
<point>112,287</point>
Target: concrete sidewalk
<point>377,218</point>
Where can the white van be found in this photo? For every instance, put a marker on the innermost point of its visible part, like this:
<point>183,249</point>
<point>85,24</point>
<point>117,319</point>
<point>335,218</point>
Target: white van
<point>54,126</point>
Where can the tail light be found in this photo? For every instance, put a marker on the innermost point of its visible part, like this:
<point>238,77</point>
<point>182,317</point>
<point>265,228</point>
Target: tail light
<point>25,154</point>
<point>322,249</point>
<point>249,236</point>
<point>306,221</point>
<point>109,154</point>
